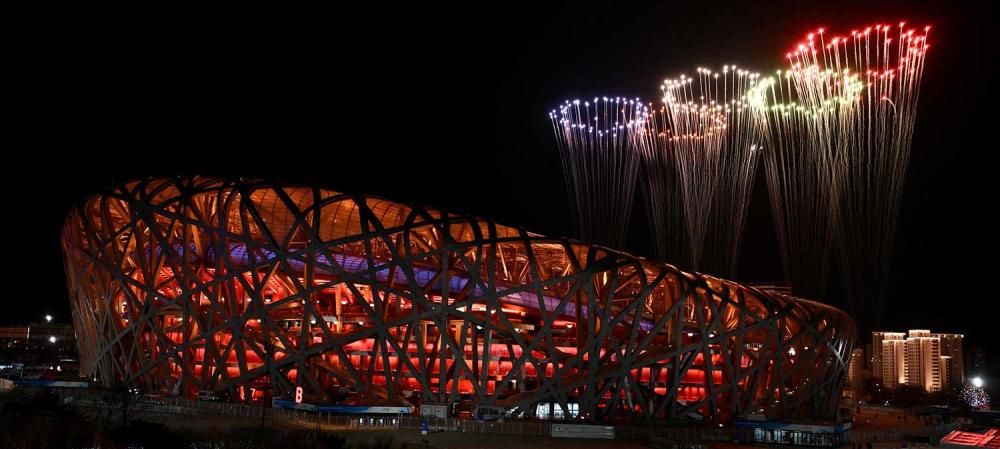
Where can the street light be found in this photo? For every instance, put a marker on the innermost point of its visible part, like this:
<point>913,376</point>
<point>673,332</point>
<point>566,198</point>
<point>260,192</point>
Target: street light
<point>52,339</point>
<point>977,382</point>
<point>48,318</point>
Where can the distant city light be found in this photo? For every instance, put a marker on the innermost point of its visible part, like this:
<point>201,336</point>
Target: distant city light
<point>48,318</point>
<point>52,339</point>
<point>977,382</point>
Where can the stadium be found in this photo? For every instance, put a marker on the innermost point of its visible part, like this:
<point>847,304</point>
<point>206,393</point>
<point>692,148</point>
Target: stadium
<point>251,289</point>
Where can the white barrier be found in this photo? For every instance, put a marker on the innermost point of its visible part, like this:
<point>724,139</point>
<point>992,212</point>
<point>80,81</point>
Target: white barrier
<point>583,431</point>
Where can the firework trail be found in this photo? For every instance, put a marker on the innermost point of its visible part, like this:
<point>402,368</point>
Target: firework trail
<point>714,142</point>
<point>807,115</point>
<point>877,135</point>
<point>595,141</point>
<point>661,186</point>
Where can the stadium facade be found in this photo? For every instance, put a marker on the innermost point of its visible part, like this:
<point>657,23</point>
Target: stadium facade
<point>181,285</point>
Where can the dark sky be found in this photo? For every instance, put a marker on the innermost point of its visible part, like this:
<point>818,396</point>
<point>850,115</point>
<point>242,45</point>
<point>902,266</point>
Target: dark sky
<point>447,107</point>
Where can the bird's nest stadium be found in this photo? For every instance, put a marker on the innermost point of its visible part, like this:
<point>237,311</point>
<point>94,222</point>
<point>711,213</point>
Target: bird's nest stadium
<point>252,289</point>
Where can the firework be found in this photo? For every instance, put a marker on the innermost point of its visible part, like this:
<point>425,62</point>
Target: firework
<point>888,62</point>
<point>808,115</point>
<point>714,143</point>
<point>661,187</point>
<point>976,397</point>
<point>595,141</point>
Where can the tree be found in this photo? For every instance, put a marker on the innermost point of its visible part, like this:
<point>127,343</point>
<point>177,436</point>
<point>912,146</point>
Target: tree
<point>948,395</point>
<point>873,392</point>
<point>909,396</point>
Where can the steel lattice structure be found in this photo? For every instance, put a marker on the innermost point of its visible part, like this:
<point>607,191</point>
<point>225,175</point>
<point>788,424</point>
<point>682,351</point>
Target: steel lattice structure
<point>187,284</point>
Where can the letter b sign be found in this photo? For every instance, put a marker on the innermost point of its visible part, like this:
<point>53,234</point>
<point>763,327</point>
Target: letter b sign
<point>298,395</point>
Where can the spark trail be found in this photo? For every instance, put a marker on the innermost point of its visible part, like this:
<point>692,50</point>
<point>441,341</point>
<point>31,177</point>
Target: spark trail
<point>889,62</point>
<point>808,120</point>
<point>716,137</point>
<point>595,141</point>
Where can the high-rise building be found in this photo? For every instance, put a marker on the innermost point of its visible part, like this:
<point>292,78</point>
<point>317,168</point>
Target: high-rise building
<point>951,346</point>
<point>855,368</point>
<point>947,371</point>
<point>876,350</point>
<point>920,358</point>
<point>856,374</point>
<point>893,363</point>
<point>923,361</point>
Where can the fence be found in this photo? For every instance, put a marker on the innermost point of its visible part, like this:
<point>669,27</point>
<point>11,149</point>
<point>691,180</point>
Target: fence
<point>698,434</point>
<point>680,435</point>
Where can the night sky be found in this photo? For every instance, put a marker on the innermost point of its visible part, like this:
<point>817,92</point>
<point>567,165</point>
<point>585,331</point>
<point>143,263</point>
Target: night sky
<point>448,108</point>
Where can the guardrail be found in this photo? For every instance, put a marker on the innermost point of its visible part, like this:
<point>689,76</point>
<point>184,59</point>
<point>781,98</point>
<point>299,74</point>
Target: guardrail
<point>466,425</point>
